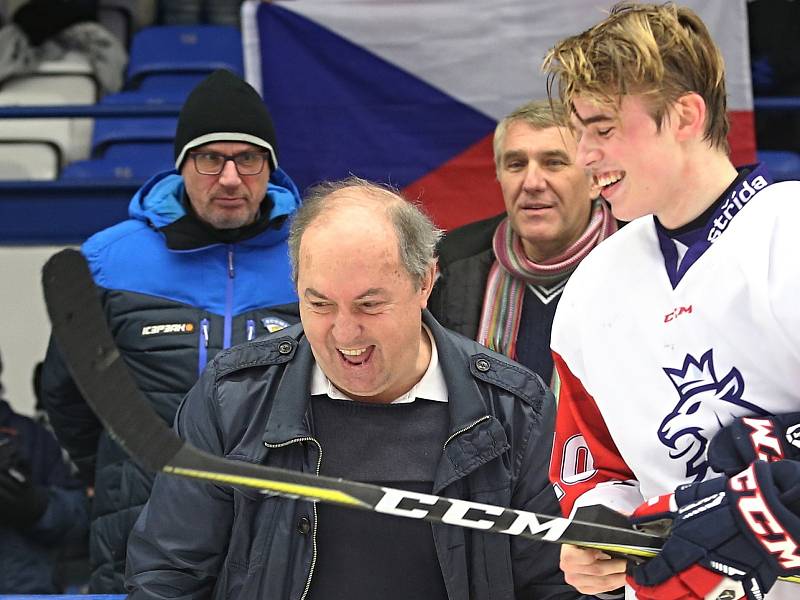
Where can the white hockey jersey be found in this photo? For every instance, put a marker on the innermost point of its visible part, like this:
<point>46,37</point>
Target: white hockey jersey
<point>658,345</point>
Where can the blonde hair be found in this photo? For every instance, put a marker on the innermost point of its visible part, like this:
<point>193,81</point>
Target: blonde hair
<point>539,114</point>
<point>661,51</point>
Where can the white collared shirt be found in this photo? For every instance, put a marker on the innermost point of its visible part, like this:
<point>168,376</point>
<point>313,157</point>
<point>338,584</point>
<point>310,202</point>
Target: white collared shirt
<point>432,386</point>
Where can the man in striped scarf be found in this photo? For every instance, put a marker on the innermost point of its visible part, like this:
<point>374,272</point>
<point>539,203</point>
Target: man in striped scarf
<point>501,278</point>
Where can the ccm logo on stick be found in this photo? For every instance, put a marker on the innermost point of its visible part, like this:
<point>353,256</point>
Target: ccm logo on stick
<point>468,514</point>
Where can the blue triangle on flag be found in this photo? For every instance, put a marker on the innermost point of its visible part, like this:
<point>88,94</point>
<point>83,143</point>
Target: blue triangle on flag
<point>340,109</point>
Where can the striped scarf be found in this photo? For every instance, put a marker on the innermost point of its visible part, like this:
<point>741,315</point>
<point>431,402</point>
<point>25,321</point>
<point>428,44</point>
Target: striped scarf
<point>512,271</point>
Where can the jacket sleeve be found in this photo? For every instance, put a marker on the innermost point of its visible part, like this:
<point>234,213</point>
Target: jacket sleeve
<point>179,542</point>
<point>537,575</point>
<point>74,423</point>
<point>586,467</point>
<point>66,518</point>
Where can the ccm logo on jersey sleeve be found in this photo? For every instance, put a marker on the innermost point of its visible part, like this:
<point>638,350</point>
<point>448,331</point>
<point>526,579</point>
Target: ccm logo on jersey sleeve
<point>166,328</point>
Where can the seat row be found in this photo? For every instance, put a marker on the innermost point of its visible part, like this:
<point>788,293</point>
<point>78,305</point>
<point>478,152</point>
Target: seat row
<point>166,62</point>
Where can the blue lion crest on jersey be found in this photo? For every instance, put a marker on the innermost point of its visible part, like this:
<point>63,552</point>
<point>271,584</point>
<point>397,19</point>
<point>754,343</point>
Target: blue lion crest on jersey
<point>706,404</point>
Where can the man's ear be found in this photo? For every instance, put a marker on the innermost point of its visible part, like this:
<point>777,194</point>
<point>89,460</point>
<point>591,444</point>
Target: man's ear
<point>689,117</point>
<point>426,285</point>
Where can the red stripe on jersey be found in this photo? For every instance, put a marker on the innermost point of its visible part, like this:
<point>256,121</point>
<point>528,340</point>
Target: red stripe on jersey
<point>583,452</point>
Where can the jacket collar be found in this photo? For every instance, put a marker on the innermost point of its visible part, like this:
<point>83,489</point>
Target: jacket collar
<point>475,437</point>
<point>160,203</point>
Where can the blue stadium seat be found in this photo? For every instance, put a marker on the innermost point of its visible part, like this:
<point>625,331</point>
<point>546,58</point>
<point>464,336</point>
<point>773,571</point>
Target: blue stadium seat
<point>184,49</point>
<point>160,88</point>
<point>108,132</point>
<point>135,161</point>
<point>782,164</point>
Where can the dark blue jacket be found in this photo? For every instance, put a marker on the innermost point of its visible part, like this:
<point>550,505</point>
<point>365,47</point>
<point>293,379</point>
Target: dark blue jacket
<point>197,540</point>
<point>174,295</point>
<point>27,556</point>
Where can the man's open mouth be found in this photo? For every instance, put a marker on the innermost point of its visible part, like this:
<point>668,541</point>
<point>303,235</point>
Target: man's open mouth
<point>356,356</point>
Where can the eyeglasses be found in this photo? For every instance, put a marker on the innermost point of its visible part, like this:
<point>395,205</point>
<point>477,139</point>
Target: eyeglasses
<point>212,163</point>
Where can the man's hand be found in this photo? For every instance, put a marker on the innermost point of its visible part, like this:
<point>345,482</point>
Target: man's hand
<point>591,571</point>
<point>748,439</point>
<point>9,454</point>
<point>21,502</point>
<point>745,528</point>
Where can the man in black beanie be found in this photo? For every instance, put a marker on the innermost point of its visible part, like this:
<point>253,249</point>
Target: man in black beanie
<point>200,265</point>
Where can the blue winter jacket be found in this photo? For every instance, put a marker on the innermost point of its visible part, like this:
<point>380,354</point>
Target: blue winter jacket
<point>174,296</point>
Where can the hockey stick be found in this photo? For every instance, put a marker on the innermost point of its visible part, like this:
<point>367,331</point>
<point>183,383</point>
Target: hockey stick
<point>80,328</point>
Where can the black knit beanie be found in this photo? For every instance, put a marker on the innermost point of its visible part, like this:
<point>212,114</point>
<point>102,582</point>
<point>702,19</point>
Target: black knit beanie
<point>223,108</point>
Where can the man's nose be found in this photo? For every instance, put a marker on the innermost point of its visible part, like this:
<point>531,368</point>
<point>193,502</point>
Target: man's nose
<point>229,176</point>
<point>346,328</point>
<point>535,179</point>
<point>587,153</point>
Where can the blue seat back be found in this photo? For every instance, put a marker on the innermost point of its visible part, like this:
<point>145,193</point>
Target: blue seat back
<point>132,161</point>
<point>184,49</point>
<point>108,132</point>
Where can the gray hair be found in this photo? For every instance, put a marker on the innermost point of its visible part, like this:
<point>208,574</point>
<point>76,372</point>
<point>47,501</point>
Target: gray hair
<point>416,234</point>
<point>539,114</point>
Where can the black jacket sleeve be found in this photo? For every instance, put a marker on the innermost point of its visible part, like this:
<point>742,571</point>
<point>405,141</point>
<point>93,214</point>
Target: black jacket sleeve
<point>74,423</point>
<point>537,575</point>
<point>179,542</point>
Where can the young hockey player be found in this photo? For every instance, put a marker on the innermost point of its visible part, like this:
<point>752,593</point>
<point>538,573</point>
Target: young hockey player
<point>679,324</point>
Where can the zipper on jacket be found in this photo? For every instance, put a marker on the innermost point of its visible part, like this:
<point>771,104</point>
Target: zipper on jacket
<point>251,329</point>
<point>203,347</point>
<point>465,429</point>
<point>226,334</point>
<point>313,504</point>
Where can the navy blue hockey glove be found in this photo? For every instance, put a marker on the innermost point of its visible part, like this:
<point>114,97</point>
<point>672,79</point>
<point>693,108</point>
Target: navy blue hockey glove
<point>745,528</point>
<point>748,439</point>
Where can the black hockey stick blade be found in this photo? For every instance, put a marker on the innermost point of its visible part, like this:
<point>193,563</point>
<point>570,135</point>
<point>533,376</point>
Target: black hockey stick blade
<point>99,371</point>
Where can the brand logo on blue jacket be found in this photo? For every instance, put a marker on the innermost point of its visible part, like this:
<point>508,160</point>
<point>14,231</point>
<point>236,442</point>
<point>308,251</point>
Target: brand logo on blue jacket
<point>273,324</point>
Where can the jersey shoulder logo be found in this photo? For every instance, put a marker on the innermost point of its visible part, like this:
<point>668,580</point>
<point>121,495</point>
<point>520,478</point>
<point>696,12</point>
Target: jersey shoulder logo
<point>706,402</point>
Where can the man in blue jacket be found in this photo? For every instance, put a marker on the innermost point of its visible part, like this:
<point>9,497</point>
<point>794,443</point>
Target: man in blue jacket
<point>368,387</point>
<point>200,265</point>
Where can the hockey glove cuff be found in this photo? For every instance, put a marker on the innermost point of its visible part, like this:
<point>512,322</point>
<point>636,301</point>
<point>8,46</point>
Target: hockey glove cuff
<point>746,529</point>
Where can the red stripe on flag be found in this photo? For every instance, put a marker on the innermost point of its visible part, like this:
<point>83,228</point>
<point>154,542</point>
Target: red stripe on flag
<point>742,137</point>
<point>462,190</point>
